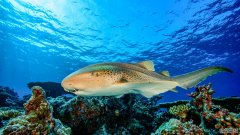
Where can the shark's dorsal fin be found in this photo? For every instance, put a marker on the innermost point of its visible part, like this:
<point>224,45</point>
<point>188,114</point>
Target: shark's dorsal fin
<point>147,65</point>
<point>165,73</point>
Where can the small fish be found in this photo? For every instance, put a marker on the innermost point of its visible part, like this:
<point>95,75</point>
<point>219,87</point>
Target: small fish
<point>117,79</point>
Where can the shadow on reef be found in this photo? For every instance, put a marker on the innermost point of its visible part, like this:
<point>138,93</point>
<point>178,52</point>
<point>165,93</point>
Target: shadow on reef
<point>130,114</point>
<point>52,89</point>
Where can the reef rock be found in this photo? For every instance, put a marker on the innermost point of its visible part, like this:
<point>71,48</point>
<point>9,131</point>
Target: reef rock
<point>38,118</point>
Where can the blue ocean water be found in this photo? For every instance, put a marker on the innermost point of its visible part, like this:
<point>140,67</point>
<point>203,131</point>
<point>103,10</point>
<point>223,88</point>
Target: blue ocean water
<point>46,40</point>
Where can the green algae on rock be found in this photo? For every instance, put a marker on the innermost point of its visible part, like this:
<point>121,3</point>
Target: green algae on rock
<point>175,126</point>
<point>180,111</point>
<point>7,113</point>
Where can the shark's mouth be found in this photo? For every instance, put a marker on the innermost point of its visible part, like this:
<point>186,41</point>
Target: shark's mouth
<point>73,90</point>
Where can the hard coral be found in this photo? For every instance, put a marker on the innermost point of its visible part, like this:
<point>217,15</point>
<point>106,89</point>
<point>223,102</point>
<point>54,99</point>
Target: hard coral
<point>38,104</point>
<point>37,119</point>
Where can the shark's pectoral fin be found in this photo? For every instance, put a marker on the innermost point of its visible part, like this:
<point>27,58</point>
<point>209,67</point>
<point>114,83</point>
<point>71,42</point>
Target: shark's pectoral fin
<point>149,94</point>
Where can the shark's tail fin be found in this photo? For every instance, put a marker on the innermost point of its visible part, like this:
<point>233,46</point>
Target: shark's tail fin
<point>193,78</point>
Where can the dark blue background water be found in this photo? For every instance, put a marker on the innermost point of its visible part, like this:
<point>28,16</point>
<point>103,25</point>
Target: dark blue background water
<point>45,40</point>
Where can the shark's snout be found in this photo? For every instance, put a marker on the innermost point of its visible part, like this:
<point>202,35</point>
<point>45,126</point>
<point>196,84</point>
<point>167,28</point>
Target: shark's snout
<point>69,86</point>
<point>66,84</point>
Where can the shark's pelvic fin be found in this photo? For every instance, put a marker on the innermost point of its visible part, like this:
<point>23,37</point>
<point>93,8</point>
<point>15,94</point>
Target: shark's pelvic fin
<point>193,78</point>
<point>119,96</point>
<point>147,65</point>
<point>165,73</point>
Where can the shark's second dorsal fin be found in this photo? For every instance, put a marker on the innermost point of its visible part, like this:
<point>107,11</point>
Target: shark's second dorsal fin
<point>165,73</point>
<point>147,65</point>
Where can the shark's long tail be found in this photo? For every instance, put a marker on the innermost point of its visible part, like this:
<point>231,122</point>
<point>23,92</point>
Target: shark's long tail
<point>193,78</point>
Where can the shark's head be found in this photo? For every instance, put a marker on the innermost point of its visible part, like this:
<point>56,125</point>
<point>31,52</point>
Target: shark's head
<point>76,83</point>
<point>88,82</point>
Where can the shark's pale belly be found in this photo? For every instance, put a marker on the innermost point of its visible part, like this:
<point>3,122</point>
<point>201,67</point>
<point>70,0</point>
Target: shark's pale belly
<point>147,89</point>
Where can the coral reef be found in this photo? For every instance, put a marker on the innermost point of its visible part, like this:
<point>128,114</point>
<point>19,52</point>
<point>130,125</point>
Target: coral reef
<point>38,118</point>
<point>210,113</point>
<point>52,89</point>
<point>206,117</point>
<point>132,113</point>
